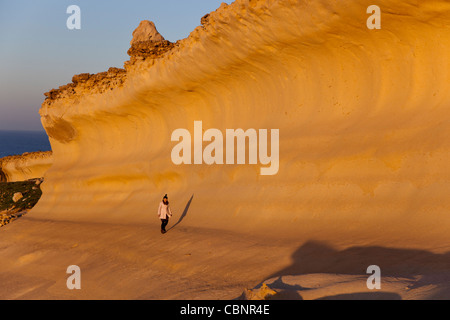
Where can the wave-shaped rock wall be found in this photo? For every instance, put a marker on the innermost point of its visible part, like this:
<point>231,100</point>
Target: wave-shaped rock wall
<point>363,119</point>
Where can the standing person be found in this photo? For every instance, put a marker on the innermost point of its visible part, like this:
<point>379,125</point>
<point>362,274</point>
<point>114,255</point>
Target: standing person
<point>164,213</point>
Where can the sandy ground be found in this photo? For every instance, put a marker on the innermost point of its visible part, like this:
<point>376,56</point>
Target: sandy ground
<point>137,262</point>
<point>132,262</point>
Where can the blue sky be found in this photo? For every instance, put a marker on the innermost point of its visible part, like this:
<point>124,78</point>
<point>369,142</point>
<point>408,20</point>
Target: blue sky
<point>38,52</point>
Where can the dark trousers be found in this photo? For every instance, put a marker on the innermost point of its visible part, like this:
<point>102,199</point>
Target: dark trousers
<point>164,223</point>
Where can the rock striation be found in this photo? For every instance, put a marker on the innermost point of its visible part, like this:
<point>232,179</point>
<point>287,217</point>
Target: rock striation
<point>29,165</point>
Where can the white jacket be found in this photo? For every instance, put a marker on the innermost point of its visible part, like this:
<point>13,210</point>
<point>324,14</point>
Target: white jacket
<point>164,211</point>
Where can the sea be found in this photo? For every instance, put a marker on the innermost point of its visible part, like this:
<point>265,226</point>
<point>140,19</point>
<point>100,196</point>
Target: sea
<point>18,142</point>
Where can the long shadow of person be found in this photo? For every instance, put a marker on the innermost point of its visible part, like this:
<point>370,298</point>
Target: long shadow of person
<point>318,257</point>
<point>423,268</point>
<point>185,211</point>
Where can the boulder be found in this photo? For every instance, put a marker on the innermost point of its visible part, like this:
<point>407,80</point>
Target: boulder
<point>17,196</point>
<point>146,31</point>
<point>262,293</point>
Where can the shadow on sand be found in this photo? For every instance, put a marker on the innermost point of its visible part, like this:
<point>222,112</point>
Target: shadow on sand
<point>316,257</point>
<point>183,214</point>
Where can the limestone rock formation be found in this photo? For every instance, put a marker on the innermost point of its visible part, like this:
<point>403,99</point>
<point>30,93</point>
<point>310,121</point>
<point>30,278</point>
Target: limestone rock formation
<point>27,166</point>
<point>17,196</point>
<point>7,217</point>
<point>262,293</point>
<point>146,31</point>
<point>362,116</point>
<point>364,166</point>
<point>147,44</point>
<point>86,83</point>
<point>205,19</point>
<point>149,49</point>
